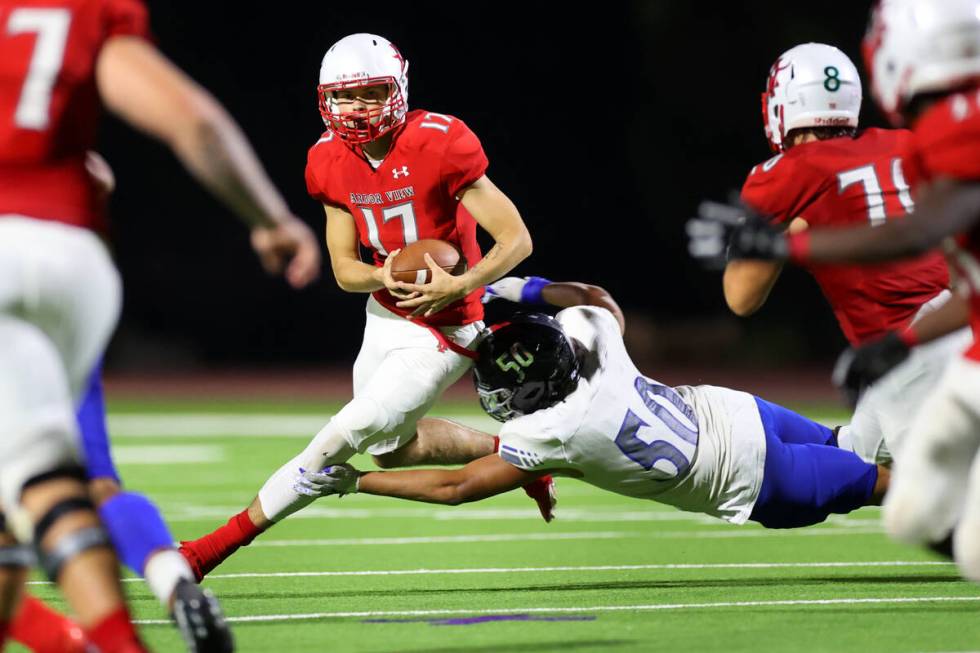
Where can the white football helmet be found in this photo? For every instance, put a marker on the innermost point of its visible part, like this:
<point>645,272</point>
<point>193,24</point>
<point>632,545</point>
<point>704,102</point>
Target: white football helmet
<point>356,61</point>
<point>811,85</point>
<point>921,46</point>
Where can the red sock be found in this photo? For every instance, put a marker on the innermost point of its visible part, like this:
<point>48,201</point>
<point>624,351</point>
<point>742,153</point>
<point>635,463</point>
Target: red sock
<point>116,634</point>
<point>206,553</point>
<point>496,444</point>
<point>40,628</point>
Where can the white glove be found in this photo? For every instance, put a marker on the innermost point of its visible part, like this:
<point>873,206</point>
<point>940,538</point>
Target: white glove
<point>336,479</point>
<point>508,288</point>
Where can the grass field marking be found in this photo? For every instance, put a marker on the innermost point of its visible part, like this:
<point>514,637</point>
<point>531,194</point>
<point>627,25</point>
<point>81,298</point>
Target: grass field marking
<point>578,568</point>
<point>593,608</point>
<point>565,568</point>
<point>191,512</point>
<point>732,532</point>
<point>446,539</point>
<point>167,454</point>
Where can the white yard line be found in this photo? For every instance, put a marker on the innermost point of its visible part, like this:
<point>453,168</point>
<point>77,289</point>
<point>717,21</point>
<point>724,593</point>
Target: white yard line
<point>183,512</point>
<point>269,425</point>
<point>727,533</point>
<point>445,539</point>
<point>594,608</point>
<point>581,568</point>
<point>167,454</point>
<point>572,568</point>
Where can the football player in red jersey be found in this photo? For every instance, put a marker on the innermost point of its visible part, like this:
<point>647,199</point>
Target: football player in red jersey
<point>826,173</point>
<point>924,60</point>
<point>59,292</point>
<point>387,177</point>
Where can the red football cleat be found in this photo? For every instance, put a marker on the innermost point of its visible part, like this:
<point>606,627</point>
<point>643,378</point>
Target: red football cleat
<point>545,494</point>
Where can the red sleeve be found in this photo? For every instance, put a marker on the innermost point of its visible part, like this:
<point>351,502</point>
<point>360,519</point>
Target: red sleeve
<point>948,139</point>
<point>312,185</point>
<point>317,159</point>
<point>778,189</point>
<point>126,18</point>
<point>464,160</point>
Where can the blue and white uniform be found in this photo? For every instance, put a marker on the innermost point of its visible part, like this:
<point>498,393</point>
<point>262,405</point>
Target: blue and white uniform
<point>700,448</point>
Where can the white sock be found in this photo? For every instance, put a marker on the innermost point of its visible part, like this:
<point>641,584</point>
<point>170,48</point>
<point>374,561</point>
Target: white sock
<point>163,571</point>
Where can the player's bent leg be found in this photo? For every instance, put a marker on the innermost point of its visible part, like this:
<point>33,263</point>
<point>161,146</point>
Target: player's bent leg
<point>76,553</point>
<point>138,532</point>
<point>930,478</point>
<point>791,427</point>
<point>439,441</point>
<point>14,563</point>
<point>398,375</point>
<point>31,622</point>
<point>804,483</point>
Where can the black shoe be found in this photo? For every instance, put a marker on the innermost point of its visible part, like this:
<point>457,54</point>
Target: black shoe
<point>200,620</point>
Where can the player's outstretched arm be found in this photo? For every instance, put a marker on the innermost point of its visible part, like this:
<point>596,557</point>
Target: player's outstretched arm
<point>493,211</point>
<point>562,294</point>
<point>144,88</point>
<point>482,478</point>
<point>949,207</point>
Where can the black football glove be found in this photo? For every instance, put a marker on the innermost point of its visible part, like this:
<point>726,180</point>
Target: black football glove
<point>856,369</point>
<point>722,232</point>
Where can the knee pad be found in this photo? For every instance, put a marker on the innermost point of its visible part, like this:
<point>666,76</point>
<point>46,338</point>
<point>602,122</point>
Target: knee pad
<point>71,544</point>
<point>16,556</point>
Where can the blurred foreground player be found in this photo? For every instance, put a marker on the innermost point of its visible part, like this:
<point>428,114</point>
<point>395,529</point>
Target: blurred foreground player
<point>574,404</point>
<point>59,293</point>
<point>826,173</point>
<point>388,177</point>
<point>924,60</point>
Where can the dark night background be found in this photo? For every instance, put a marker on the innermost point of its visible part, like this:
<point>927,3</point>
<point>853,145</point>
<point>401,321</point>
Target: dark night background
<point>605,123</point>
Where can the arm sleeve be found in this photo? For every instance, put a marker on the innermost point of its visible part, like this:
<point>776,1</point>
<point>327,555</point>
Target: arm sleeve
<point>464,160</point>
<point>777,189</point>
<point>314,185</point>
<point>127,18</point>
<point>527,443</point>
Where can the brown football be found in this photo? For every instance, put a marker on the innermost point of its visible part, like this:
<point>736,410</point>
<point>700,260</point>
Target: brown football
<point>410,266</point>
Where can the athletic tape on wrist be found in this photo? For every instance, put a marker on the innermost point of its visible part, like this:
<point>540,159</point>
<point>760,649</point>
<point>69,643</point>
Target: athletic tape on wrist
<point>531,292</point>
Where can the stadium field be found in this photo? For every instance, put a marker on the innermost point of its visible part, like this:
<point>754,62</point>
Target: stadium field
<point>610,574</point>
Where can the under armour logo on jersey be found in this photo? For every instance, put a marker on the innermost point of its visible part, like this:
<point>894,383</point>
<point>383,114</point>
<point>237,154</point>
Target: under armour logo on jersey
<point>396,173</point>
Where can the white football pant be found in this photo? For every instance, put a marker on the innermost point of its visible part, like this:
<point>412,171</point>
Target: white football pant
<point>399,374</point>
<point>884,415</point>
<point>59,302</point>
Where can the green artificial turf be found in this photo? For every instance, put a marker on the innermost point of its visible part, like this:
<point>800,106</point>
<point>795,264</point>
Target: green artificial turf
<point>609,574</point>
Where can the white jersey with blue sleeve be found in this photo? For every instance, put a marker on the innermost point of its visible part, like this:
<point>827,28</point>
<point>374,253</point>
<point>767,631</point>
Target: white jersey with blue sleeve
<point>701,449</point>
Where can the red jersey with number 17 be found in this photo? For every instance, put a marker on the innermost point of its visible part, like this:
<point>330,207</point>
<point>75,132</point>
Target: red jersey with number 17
<point>947,144</point>
<point>412,195</point>
<point>49,105</point>
<point>850,181</point>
